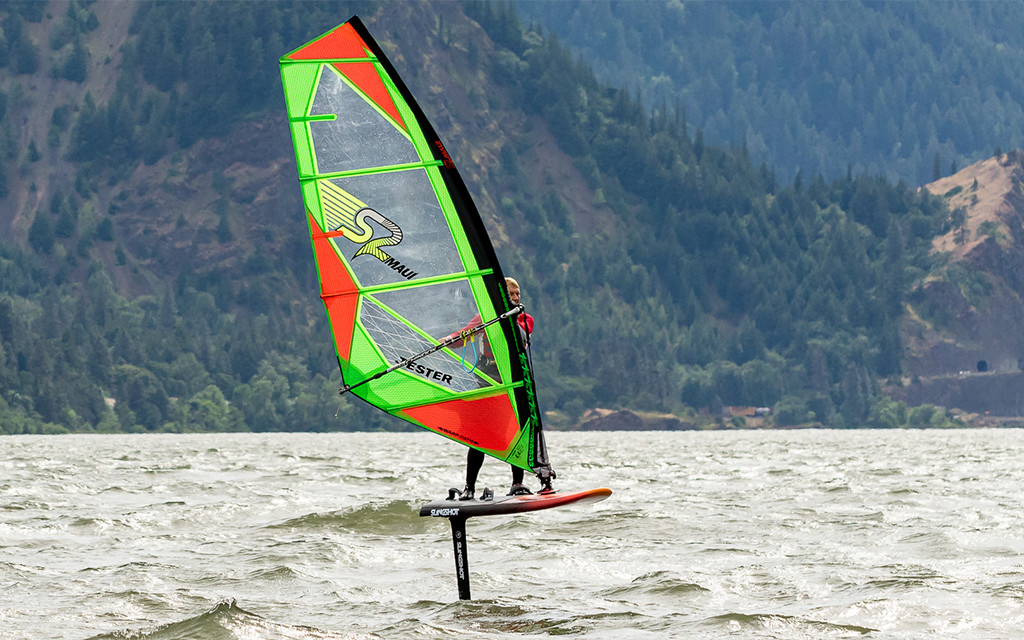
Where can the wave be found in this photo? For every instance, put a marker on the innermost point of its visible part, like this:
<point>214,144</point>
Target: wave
<point>469,618</point>
<point>909,577</point>
<point>791,626</point>
<point>131,568</point>
<point>656,583</point>
<point>226,621</point>
<point>1011,591</point>
<point>395,518</point>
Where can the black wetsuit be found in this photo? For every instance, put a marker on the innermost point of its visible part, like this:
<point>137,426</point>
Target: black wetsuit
<point>475,459</point>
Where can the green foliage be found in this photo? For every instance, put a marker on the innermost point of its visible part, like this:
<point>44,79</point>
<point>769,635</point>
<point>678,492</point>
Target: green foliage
<point>62,34</point>
<point>930,416</point>
<point>714,285</point>
<point>15,420</point>
<point>40,234</point>
<point>31,10</point>
<point>224,230</point>
<point>884,87</point>
<point>974,285</point>
<point>958,218</point>
<point>208,410</point>
<point>790,411</point>
<point>989,229</point>
<point>16,46</point>
<point>226,53</point>
<point>138,389</point>
<point>170,363</point>
<point>61,117</point>
<point>73,64</point>
<point>888,414</point>
<point>67,214</point>
<point>105,230</point>
<point>723,287</point>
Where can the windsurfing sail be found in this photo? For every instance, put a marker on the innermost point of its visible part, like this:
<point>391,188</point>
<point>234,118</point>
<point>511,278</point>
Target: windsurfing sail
<point>403,257</point>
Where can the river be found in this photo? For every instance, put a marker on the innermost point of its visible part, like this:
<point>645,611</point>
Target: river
<point>744,534</point>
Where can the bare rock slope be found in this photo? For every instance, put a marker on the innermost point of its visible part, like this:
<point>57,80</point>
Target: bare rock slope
<point>964,328</point>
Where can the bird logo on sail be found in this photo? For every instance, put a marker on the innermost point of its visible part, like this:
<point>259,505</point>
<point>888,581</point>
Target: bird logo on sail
<point>343,211</point>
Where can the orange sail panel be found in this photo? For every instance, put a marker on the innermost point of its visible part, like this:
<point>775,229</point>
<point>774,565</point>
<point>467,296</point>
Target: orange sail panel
<point>485,423</point>
<point>343,42</point>
<point>337,290</point>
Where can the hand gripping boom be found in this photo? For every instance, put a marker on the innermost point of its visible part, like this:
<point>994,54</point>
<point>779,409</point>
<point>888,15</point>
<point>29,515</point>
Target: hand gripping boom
<point>447,342</point>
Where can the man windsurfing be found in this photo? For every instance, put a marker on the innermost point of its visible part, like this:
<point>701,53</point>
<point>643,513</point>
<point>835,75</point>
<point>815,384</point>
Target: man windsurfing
<point>485,362</point>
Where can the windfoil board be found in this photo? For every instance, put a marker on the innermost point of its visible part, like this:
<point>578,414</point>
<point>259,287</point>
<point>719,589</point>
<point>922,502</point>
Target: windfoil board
<point>502,505</point>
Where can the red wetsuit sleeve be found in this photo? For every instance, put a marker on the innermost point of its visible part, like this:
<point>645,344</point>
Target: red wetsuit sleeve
<point>526,322</point>
<point>475,322</point>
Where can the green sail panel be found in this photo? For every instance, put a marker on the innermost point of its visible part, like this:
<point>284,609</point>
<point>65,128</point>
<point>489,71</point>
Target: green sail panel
<point>403,257</point>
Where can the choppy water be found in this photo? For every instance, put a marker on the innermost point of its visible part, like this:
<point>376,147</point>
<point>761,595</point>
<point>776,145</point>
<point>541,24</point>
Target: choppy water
<point>805,534</point>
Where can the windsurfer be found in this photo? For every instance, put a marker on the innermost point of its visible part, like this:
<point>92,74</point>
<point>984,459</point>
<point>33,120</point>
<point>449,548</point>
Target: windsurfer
<point>475,457</point>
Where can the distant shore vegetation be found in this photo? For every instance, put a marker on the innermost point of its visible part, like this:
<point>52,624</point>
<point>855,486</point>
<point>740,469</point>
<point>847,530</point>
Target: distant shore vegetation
<point>717,285</point>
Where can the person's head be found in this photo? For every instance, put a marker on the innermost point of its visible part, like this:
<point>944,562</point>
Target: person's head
<point>513,290</point>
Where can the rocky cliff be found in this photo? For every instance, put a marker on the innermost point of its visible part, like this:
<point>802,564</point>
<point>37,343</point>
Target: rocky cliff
<point>964,329</point>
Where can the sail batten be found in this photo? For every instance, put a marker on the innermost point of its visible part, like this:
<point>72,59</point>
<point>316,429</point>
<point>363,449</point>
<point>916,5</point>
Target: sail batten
<point>363,172</point>
<point>403,258</point>
<point>285,63</point>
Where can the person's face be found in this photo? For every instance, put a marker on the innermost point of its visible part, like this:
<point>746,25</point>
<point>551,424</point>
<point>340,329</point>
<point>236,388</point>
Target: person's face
<point>513,293</point>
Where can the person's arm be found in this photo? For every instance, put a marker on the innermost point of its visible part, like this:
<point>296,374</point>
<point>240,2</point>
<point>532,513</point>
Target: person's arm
<point>526,322</point>
<point>475,322</point>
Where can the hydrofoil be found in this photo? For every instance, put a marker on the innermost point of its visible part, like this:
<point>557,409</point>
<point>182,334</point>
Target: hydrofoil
<point>458,511</point>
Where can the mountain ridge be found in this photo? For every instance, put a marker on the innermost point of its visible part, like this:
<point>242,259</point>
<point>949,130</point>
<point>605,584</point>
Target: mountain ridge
<point>666,274</point>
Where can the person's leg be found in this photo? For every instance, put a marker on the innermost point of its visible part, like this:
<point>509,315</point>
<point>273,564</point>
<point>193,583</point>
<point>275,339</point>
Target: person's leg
<point>518,488</point>
<point>474,460</point>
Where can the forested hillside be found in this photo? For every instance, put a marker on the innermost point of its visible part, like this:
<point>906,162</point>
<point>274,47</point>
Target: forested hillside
<point>170,271</point>
<point>902,89</point>
<point>141,272</point>
<point>717,285</point>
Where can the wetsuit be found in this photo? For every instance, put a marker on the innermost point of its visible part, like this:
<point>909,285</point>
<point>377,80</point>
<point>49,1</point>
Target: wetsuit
<point>485,358</point>
<point>475,457</point>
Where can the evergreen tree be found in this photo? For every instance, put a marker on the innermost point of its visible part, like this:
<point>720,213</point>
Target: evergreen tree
<point>40,234</point>
<point>76,64</point>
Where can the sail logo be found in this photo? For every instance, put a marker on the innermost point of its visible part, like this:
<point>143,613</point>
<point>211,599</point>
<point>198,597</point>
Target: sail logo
<point>444,154</point>
<point>400,268</point>
<point>352,217</point>
<point>372,246</point>
<point>429,373</point>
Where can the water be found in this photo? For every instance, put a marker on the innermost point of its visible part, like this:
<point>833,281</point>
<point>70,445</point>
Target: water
<point>799,534</point>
